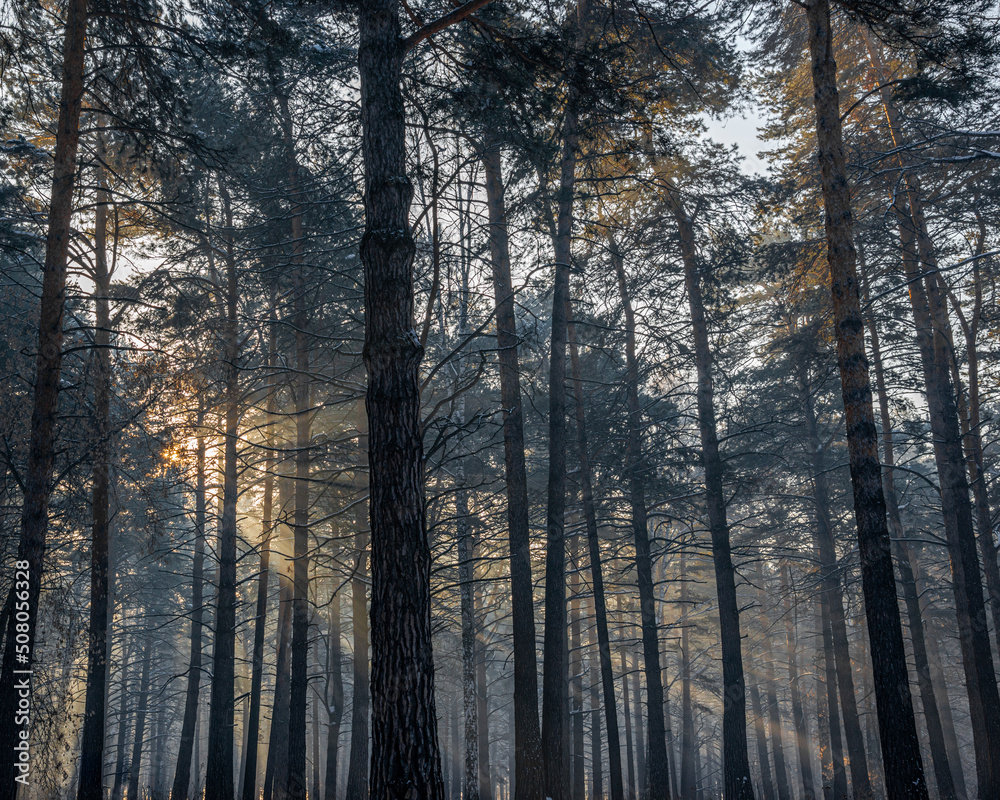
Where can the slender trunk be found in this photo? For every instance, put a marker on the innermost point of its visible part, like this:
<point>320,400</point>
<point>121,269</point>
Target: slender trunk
<point>483,706</point>
<point>41,445</point>
<point>763,761</point>
<point>626,709</point>
<point>92,743</point>
<point>659,775</point>
<point>275,769</point>
<point>334,699</point>
<point>527,739</point>
<point>802,739</point>
<point>597,579</point>
<point>782,782</point>
<point>689,779</point>
<point>219,770</point>
<point>947,718</point>
<point>189,725</point>
<point>266,531</point>
<point>466,579</point>
<point>736,764</point>
<point>577,770</point>
<point>904,772</point>
<point>833,589</point>
<point>357,770</point>
<point>123,719</point>
<point>139,733</point>
<point>836,774</point>
<point>404,735</point>
<point>640,743</point>
<point>596,748</point>
<point>943,774</point>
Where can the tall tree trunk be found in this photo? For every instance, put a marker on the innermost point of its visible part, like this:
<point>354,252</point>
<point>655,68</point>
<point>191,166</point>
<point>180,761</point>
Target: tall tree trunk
<point>91,785</point>
<point>835,774</point>
<point>141,709</point>
<point>833,589</point>
<point>334,699</point>
<point>659,775</point>
<point>275,769</point>
<point>41,444</point>
<point>626,709</point>
<point>640,743</point>
<point>782,783</point>
<point>527,744</point>
<point>483,706</point>
<point>266,531</point>
<point>943,774</point>
<point>219,769</point>
<point>689,779</point>
<point>357,769</point>
<point>736,764</point>
<point>596,749</point>
<point>947,718</point>
<point>577,770</point>
<point>123,720</point>
<point>904,773</point>
<point>466,579</point>
<point>763,761</point>
<point>803,741</point>
<point>597,579</point>
<point>404,729</point>
<point>189,724</point>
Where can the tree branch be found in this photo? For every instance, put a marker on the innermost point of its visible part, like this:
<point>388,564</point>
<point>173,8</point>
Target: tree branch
<point>443,22</point>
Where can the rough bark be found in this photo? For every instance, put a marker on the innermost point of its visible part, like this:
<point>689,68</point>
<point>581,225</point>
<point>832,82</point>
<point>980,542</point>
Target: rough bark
<point>904,772</point>
<point>405,756</point>
<point>48,364</point>
<point>527,738</point>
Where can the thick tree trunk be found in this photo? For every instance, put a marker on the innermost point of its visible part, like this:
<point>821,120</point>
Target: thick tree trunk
<point>404,729</point>
<point>48,364</point>
<point>334,699</point>
<point>803,741</point>
<point>275,769</point>
<point>189,724</point>
<point>357,768</point>
<point>141,709</point>
<point>266,530</point>
<point>904,773</point>
<point>659,774</point>
<point>92,741</point>
<point>527,739</point>
<point>219,769</point>
<point>833,589</point>
<point>597,579</point>
<point>736,764</point>
<point>943,774</point>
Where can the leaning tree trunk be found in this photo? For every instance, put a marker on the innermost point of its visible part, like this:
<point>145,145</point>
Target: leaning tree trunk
<point>527,739</point>
<point>404,728</point>
<point>92,739</point>
<point>736,764</point>
<point>189,724</point>
<point>48,364</point>
<point>597,578</point>
<point>658,780</point>
<point>266,530</point>
<point>904,773</point>
<point>219,769</point>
